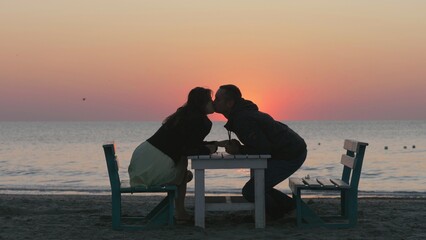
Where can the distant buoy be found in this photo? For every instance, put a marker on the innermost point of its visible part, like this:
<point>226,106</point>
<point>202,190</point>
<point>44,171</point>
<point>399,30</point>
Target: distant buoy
<point>414,146</point>
<point>386,147</point>
<point>405,147</point>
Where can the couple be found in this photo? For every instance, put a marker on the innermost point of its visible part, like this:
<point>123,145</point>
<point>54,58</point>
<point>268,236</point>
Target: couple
<point>162,158</point>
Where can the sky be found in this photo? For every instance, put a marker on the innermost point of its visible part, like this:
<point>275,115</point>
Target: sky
<point>137,60</point>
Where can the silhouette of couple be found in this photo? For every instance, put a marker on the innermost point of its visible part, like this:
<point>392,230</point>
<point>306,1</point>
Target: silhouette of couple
<point>162,158</point>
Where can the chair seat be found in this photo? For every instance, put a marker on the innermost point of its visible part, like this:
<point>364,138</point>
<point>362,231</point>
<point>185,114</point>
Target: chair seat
<point>126,188</point>
<point>317,184</point>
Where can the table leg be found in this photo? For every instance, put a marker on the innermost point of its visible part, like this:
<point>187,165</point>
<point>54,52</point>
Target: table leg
<point>259,200</point>
<point>199,198</point>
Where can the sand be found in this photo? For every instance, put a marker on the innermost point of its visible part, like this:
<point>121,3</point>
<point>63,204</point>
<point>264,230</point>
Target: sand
<point>89,217</point>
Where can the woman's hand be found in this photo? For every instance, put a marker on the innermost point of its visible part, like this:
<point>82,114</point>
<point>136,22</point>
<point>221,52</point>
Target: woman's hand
<point>222,143</point>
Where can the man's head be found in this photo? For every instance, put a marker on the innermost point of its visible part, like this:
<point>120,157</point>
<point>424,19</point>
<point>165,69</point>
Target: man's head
<point>225,99</point>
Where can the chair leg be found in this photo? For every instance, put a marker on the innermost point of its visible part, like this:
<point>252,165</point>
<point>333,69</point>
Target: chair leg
<point>344,204</point>
<point>298,208</point>
<point>309,217</point>
<point>116,211</point>
<point>305,216</point>
<point>171,196</point>
<point>163,212</point>
<point>353,209</point>
<point>349,207</point>
<point>158,209</point>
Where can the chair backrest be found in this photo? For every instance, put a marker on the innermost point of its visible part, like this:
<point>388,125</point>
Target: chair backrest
<point>112,165</point>
<point>352,161</point>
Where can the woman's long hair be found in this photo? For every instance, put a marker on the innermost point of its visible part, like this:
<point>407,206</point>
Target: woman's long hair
<point>195,105</point>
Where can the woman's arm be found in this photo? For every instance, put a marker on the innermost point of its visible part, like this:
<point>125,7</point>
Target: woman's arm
<point>194,133</point>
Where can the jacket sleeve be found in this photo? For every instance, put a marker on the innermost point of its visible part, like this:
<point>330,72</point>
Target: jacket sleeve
<point>254,140</point>
<point>195,132</point>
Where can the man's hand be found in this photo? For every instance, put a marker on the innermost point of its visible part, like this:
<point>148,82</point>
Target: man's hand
<point>212,148</point>
<point>233,146</point>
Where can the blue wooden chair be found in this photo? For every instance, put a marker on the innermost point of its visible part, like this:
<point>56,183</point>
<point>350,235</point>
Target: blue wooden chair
<point>162,214</point>
<point>347,186</point>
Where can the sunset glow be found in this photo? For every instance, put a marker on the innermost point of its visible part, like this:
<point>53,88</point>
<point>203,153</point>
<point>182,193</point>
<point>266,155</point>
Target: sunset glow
<point>137,60</point>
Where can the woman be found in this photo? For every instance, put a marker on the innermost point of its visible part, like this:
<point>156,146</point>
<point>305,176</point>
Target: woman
<point>162,158</point>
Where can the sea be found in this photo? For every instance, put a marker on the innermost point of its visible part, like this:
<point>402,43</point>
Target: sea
<point>68,158</point>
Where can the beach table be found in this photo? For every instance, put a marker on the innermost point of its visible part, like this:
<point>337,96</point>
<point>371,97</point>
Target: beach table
<point>257,165</point>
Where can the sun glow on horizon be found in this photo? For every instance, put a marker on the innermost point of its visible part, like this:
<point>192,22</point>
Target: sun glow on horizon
<point>307,60</point>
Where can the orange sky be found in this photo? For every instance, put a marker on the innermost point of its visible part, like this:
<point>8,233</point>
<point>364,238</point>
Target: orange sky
<point>137,60</point>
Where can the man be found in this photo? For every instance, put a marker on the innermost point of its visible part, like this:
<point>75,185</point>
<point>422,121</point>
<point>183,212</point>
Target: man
<point>261,134</point>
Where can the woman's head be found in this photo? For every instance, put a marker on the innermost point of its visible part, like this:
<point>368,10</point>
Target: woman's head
<point>200,101</point>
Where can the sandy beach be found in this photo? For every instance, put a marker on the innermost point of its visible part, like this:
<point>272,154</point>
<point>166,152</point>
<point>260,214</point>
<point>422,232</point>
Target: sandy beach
<point>89,217</point>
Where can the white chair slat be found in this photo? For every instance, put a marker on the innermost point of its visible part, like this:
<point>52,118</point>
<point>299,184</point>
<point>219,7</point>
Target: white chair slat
<point>353,145</point>
<point>348,161</point>
<point>311,182</point>
<point>296,182</point>
<point>340,183</point>
<point>325,182</point>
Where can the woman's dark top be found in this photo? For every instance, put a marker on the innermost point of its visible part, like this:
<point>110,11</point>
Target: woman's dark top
<point>183,139</point>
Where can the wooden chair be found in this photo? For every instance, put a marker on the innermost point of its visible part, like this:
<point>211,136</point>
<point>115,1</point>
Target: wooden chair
<point>347,185</point>
<point>162,214</point>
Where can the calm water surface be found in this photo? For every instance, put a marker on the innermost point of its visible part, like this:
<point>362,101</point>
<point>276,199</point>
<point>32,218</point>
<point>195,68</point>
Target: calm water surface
<point>67,157</point>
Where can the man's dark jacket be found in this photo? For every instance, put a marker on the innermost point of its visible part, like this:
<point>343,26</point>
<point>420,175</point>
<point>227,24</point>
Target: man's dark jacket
<point>261,134</point>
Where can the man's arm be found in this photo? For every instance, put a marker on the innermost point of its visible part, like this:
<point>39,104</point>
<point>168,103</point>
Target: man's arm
<point>250,133</point>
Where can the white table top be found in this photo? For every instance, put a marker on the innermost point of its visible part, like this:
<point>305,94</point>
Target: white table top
<point>228,161</point>
<point>224,155</point>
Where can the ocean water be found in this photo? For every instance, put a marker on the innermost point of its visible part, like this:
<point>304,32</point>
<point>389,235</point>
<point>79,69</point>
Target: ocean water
<point>67,157</point>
